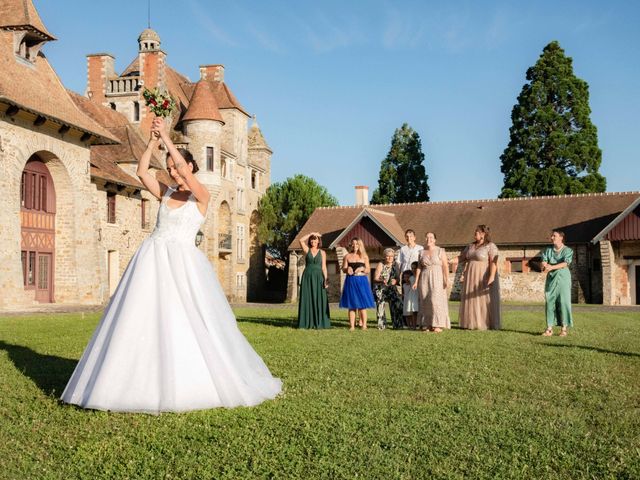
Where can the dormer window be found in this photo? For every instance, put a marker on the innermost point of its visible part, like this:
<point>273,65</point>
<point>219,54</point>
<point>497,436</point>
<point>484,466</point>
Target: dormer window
<point>28,45</point>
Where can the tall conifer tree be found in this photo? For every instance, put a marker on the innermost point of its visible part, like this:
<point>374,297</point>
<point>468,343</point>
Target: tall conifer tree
<point>402,174</point>
<point>553,146</point>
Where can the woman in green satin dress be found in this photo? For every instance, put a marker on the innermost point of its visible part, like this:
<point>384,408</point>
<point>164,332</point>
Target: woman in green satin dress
<point>557,288</point>
<point>313,308</point>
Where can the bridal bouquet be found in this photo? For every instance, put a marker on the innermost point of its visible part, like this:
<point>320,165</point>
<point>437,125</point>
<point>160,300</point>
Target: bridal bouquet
<point>161,104</point>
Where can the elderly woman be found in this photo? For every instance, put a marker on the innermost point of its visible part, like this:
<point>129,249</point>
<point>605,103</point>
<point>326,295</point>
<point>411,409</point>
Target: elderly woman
<point>557,288</point>
<point>385,290</point>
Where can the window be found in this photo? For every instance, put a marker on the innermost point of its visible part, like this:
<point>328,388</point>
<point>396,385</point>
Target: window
<point>30,273</point>
<point>111,207</point>
<point>112,105</point>
<point>516,265</point>
<point>240,199</point>
<point>23,257</point>
<point>240,280</point>
<point>254,179</point>
<point>136,111</point>
<point>240,242</point>
<point>597,266</point>
<point>223,167</point>
<point>144,213</point>
<point>33,191</point>
<point>210,159</point>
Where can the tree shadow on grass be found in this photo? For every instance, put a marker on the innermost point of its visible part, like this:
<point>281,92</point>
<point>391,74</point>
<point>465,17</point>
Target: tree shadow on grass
<point>49,373</point>
<point>272,322</point>
<point>595,349</point>
<point>290,322</point>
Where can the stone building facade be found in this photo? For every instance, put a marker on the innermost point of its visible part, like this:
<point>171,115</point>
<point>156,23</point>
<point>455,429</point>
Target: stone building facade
<point>73,212</point>
<point>602,229</point>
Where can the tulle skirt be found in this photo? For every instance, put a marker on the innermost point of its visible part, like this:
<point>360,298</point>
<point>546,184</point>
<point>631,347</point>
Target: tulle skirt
<point>356,293</point>
<point>168,341</point>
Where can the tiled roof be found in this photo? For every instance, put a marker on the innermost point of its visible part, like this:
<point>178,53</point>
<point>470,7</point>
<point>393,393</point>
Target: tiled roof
<point>22,13</point>
<point>518,221</point>
<point>37,88</point>
<point>203,105</point>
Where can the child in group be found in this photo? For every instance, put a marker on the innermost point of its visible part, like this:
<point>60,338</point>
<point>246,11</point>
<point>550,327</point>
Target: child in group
<point>410,297</point>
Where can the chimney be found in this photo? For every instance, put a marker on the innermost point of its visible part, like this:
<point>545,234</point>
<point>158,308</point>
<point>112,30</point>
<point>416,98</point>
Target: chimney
<point>212,72</point>
<point>100,67</point>
<point>362,195</point>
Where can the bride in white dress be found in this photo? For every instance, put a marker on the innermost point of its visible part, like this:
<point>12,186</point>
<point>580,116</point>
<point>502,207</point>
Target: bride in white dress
<point>168,340</point>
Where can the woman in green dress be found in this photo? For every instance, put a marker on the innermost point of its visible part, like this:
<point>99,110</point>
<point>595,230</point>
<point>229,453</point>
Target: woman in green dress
<point>557,288</point>
<point>313,308</point>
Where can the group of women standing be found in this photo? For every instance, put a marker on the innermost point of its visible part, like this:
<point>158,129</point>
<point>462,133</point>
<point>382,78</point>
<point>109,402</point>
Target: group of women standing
<point>429,277</point>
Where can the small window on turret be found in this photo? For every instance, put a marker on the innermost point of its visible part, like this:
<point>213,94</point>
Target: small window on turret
<point>136,111</point>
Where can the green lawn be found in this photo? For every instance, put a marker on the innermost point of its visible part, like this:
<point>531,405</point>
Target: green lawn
<point>374,405</point>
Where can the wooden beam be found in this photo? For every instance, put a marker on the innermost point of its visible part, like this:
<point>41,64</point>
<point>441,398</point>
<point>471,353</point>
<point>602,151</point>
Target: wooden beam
<point>85,137</point>
<point>39,121</point>
<point>63,129</point>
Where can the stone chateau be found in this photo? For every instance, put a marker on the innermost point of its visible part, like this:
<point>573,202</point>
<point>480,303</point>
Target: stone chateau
<point>72,211</point>
<point>603,230</point>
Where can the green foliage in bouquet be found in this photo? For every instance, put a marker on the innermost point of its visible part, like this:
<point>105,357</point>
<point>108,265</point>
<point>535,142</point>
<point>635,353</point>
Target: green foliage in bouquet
<point>161,104</point>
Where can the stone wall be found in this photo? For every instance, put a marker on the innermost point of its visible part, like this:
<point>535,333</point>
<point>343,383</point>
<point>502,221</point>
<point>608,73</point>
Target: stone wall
<point>76,246</point>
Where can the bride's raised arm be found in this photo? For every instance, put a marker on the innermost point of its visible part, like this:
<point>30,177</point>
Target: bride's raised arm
<point>156,188</point>
<point>199,191</point>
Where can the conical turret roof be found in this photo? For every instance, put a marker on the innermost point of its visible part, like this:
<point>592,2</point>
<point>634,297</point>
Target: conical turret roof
<point>203,105</point>
<point>255,137</point>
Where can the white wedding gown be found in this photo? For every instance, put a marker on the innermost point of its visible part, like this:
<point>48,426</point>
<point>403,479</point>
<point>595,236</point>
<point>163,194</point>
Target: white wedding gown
<point>168,340</point>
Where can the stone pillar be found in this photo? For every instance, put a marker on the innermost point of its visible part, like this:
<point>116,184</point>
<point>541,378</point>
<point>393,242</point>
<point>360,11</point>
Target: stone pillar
<point>608,268</point>
<point>292,282</point>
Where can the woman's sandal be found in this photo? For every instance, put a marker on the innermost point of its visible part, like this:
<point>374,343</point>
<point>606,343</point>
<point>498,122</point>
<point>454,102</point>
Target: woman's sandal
<point>548,332</point>
<point>563,332</point>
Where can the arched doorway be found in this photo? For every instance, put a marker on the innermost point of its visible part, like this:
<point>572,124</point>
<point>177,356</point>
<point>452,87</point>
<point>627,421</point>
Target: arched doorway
<point>37,229</point>
<point>256,273</point>
<point>225,247</point>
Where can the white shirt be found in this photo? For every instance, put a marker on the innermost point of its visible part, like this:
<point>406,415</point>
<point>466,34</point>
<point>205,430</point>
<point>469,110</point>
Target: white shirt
<point>407,256</point>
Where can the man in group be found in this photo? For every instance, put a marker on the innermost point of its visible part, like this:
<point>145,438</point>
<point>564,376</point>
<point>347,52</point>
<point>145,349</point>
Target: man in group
<point>409,253</point>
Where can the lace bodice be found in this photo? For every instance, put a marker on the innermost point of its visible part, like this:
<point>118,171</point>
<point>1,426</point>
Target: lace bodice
<point>178,224</point>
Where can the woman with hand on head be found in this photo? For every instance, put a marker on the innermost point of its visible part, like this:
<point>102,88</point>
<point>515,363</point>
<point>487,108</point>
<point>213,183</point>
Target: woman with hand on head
<point>557,288</point>
<point>432,278</point>
<point>313,308</point>
<point>168,340</point>
<point>480,293</point>
<point>356,293</point>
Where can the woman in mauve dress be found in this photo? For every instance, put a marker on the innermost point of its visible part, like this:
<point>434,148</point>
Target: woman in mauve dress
<point>480,292</point>
<point>431,281</point>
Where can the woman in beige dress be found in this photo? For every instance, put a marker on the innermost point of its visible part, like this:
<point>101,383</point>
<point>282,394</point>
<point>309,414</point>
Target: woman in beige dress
<point>480,292</point>
<point>432,278</point>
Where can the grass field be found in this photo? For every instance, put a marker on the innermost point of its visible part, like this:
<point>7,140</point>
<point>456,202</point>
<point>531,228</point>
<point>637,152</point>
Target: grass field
<point>378,405</point>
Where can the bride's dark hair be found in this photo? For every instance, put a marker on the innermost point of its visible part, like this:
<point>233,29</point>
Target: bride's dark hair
<point>186,154</point>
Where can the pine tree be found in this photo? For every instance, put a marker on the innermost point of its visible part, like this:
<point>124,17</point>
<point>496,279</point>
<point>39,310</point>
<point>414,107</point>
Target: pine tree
<point>553,146</point>
<point>402,174</point>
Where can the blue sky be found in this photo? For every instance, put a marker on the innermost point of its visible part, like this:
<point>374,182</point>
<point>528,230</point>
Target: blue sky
<point>330,81</point>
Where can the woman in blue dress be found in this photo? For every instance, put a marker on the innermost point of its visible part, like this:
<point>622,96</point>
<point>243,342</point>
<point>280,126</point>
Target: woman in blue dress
<point>356,293</point>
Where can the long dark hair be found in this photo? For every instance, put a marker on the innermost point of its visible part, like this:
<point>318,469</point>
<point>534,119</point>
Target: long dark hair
<point>186,154</point>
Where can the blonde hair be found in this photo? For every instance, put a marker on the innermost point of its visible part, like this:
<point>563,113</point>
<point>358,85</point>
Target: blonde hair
<point>362,252</point>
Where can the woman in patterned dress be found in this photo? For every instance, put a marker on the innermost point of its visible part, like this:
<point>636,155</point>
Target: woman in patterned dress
<point>386,278</point>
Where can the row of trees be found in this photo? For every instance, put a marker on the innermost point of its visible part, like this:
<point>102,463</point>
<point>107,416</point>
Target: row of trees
<point>553,149</point>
